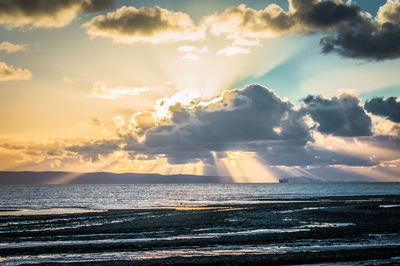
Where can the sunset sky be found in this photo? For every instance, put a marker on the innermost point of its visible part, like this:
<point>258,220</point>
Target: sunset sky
<point>255,90</point>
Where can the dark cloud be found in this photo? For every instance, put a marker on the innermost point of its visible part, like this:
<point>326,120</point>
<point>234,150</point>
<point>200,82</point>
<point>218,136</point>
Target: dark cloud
<point>237,118</point>
<point>129,25</point>
<point>367,38</point>
<point>255,119</point>
<point>47,13</point>
<point>326,14</point>
<point>339,116</point>
<point>389,107</point>
<point>93,6</point>
<point>92,150</point>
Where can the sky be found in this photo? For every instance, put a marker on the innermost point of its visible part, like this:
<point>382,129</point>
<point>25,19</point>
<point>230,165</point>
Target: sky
<point>255,90</point>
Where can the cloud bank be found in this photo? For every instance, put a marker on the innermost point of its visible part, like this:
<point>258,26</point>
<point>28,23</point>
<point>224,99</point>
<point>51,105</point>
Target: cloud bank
<point>252,119</point>
<point>47,13</point>
<point>249,125</point>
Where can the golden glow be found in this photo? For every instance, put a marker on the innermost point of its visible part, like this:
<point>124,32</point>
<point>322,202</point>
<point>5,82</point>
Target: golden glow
<point>65,179</point>
<point>220,66</point>
<point>355,147</point>
<point>161,109</point>
<point>244,167</point>
<point>141,164</point>
<point>296,171</point>
<point>379,173</point>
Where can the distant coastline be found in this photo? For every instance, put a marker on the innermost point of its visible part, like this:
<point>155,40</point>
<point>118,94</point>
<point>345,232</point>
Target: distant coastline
<point>49,177</point>
<point>59,177</point>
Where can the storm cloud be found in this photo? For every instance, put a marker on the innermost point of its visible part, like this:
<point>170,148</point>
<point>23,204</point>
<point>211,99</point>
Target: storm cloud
<point>229,121</point>
<point>130,25</point>
<point>389,108</point>
<point>47,13</point>
<point>251,119</point>
<point>339,116</point>
<point>367,38</point>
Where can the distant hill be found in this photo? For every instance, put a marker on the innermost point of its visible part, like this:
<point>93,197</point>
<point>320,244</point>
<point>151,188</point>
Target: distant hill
<point>36,178</point>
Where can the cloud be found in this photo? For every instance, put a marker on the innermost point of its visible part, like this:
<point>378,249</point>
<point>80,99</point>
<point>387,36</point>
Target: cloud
<point>47,13</point>
<point>353,33</point>
<point>192,52</point>
<point>94,150</point>
<point>303,16</point>
<point>184,128</point>
<point>390,12</point>
<point>232,50</point>
<point>247,23</point>
<point>141,122</point>
<point>389,107</point>
<point>189,130</point>
<point>8,72</point>
<point>192,49</point>
<point>100,90</point>
<point>252,122</point>
<point>11,48</point>
<point>339,116</point>
<point>367,38</point>
<point>153,25</point>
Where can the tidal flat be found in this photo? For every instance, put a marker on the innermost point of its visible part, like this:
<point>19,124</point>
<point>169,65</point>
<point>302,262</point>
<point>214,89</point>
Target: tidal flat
<point>340,230</point>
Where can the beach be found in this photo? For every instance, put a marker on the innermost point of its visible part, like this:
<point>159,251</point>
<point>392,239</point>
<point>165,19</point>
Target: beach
<point>342,230</point>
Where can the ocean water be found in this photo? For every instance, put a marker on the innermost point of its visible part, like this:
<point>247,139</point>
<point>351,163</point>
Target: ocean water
<point>137,196</point>
<point>207,223</point>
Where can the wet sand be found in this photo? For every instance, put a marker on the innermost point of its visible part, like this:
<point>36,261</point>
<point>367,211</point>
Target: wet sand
<point>342,230</point>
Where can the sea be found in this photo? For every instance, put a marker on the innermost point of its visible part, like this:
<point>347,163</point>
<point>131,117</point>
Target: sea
<point>135,224</point>
<point>137,196</point>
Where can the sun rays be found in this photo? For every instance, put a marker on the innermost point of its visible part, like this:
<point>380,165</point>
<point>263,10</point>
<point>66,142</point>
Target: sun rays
<point>244,167</point>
